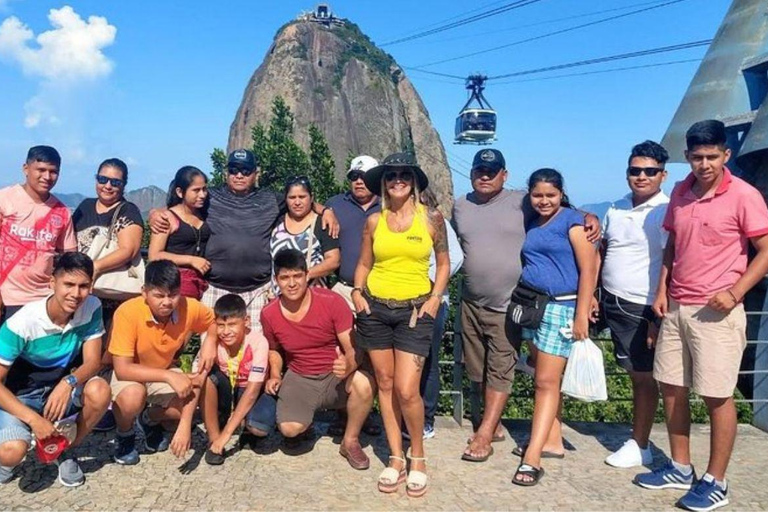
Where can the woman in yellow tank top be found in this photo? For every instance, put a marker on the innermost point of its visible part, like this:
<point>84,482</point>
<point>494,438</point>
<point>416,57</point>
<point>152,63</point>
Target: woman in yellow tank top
<point>396,306</point>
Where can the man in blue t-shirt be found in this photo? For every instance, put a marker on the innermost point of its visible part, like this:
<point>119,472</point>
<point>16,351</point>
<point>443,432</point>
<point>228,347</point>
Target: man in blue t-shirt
<point>50,352</point>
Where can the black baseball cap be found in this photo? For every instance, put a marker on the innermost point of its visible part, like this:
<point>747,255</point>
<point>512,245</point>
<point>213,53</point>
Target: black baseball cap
<point>242,158</point>
<point>490,159</point>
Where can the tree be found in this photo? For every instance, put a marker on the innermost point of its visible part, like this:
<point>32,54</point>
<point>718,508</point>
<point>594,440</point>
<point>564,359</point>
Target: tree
<point>281,157</point>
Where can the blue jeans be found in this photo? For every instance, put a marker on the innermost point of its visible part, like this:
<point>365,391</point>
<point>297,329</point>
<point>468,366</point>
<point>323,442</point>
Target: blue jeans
<point>13,429</point>
<point>262,413</point>
<point>430,377</point>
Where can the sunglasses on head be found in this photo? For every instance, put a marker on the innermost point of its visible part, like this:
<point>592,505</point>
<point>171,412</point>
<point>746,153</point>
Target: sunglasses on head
<point>649,171</point>
<point>297,180</point>
<point>103,180</point>
<point>398,175</point>
<point>355,175</point>
<point>235,170</point>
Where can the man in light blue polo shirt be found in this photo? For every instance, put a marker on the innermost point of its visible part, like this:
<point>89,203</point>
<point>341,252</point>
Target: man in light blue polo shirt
<point>633,249</point>
<point>50,352</point>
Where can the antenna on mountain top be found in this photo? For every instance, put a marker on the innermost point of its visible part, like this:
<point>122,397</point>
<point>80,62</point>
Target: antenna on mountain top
<point>476,125</point>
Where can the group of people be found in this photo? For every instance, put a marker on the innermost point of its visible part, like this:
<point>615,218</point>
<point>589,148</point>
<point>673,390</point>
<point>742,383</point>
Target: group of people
<point>250,271</point>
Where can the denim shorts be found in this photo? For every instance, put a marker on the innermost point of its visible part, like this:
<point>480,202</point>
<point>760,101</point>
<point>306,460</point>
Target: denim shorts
<point>262,413</point>
<point>388,328</point>
<point>13,429</point>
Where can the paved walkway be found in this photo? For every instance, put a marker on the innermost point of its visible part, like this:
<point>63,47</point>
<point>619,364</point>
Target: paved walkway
<point>321,480</point>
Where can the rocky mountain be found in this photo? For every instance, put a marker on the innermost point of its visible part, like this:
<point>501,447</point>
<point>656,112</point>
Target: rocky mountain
<point>144,198</point>
<point>332,75</point>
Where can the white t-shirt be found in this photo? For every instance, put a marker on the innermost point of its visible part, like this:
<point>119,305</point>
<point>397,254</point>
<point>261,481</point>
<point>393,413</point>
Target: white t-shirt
<point>635,240</point>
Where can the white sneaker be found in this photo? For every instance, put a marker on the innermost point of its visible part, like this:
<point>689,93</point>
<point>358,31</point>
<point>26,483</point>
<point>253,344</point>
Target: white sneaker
<point>629,456</point>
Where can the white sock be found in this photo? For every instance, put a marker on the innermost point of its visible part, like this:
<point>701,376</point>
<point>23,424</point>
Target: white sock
<point>685,469</point>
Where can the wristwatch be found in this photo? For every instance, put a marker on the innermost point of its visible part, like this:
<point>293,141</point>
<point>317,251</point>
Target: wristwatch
<point>71,380</point>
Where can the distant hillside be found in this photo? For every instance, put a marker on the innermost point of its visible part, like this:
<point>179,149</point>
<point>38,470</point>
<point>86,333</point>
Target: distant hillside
<point>144,198</point>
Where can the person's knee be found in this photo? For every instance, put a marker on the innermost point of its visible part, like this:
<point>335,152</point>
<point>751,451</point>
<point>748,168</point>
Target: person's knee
<point>13,452</point>
<point>291,429</point>
<point>547,383</point>
<point>97,393</point>
<point>131,400</point>
<point>717,403</point>
<point>256,431</point>
<point>671,391</point>
<point>406,394</point>
<point>362,386</point>
<point>385,382</point>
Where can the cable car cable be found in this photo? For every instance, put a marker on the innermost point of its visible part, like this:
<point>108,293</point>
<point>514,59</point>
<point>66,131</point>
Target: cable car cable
<point>549,34</point>
<point>446,20</point>
<point>472,19</point>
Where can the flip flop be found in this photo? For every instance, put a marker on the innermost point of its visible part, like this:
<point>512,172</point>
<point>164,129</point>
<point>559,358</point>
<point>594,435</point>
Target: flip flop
<point>471,458</point>
<point>520,452</point>
<point>528,470</point>
<point>497,438</point>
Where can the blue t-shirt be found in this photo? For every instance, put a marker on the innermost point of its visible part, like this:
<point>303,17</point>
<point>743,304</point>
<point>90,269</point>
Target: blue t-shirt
<point>549,262</point>
<point>352,218</point>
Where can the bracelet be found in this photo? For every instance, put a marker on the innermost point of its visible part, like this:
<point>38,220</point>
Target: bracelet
<point>356,289</point>
<point>732,295</point>
<point>325,209</point>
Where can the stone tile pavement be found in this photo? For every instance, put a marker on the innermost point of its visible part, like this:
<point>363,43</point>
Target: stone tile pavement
<point>322,480</point>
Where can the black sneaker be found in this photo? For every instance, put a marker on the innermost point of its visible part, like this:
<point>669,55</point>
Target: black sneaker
<point>125,450</point>
<point>155,439</point>
<point>214,459</point>
<point>248,440</point>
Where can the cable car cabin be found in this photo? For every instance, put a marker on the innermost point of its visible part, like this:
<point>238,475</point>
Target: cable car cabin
<point>476,126</point>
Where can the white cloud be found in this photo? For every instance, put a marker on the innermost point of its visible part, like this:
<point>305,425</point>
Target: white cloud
<point>70,52</point>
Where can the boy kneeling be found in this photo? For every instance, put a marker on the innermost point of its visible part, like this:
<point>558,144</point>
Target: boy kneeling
<point>40,347</point>
<point>148,333</point>
<point>236,380</point>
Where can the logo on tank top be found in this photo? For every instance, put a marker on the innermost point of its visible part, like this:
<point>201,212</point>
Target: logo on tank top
<point>415,239</point>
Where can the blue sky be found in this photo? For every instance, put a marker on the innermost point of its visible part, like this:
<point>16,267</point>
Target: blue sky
<point>158,84</point>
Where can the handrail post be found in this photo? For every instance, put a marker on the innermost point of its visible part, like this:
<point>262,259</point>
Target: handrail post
<point>458,364</point>
<point>760,380</point>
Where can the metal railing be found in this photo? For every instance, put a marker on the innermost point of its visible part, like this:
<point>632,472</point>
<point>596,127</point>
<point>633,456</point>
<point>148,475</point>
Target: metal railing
<point>759,401</point>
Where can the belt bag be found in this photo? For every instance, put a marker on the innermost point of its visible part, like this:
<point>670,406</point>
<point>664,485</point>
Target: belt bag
<point>527,305</point>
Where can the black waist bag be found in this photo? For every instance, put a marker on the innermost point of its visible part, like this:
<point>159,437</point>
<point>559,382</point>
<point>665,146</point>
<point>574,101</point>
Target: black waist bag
<point>527,305</point>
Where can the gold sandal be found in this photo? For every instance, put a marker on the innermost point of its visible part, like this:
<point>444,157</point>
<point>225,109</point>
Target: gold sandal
<point>416,484</point>
<point>390,479</point>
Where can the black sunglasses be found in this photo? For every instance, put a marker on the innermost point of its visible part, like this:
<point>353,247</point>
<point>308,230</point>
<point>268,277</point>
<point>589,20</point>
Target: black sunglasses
<point>297,180</point>
<point>103,180</point>
<point>649,171</point>
<point>355,175</point>
<point>235,170</point>
<point>398,175</point>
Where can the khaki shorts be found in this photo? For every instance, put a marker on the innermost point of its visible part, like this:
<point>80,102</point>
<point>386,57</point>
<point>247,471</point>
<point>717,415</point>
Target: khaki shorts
<point>159,394</point>
<point>490,346</point>
<point>300,396</point>
<point>701,349</point>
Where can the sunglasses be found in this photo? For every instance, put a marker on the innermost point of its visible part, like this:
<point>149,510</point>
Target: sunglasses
<point>354,175</point>
<point>649,171</point>
<point>103,180</point>
<point>234,171</point>
<point>297,180</point>
<point>398,175</point>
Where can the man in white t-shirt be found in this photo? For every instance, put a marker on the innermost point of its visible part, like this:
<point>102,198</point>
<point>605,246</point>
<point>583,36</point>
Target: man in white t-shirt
<point>633,249</point>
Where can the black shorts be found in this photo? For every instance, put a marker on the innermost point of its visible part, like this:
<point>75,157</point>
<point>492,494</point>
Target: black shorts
<point>628,323</point>
<point>387,328</point>
<point>227,397</point>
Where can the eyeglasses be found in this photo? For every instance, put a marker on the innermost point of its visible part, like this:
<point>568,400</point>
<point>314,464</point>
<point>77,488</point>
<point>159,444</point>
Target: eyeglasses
<point>649,171</point>
<point>103,180</point>
<point>297,180</point>
<point>355,175</point>
<point>235,170</point>
<point>398,175</point>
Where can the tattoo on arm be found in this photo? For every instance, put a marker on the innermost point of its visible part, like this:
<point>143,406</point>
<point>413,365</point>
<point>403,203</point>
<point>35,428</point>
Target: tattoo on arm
<point>419,360</point>
<point>440,243</point>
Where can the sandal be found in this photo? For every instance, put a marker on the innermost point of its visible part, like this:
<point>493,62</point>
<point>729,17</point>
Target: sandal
<point>527,470</point>
<point>390,479</point>
<point>497,438</point>
<point>520,452</point>
<point>473,458</point>
<point>416,484</point>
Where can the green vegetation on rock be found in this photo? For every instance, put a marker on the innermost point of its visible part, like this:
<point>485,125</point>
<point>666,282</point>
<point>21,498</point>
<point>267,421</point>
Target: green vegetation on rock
<point>360,47</point>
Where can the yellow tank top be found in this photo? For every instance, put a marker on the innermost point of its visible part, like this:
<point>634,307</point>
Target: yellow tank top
<point>401,260</point>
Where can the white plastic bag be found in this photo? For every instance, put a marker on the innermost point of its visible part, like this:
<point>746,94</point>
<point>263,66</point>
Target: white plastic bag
<point>584,377</point>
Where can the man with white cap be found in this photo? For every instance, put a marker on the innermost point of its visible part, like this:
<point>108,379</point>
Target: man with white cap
<point>352,208</point>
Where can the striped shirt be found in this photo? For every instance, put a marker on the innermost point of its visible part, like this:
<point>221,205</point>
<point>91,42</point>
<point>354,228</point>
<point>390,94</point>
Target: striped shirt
<point>40,353</point>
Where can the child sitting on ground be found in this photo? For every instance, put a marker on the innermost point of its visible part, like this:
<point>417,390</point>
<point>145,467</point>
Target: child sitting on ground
<point>235,381</point>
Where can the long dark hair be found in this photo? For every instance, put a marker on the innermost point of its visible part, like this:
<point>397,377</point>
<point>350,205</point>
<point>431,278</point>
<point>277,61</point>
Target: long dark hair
<point>554,178</point>
<point>183,180</point>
